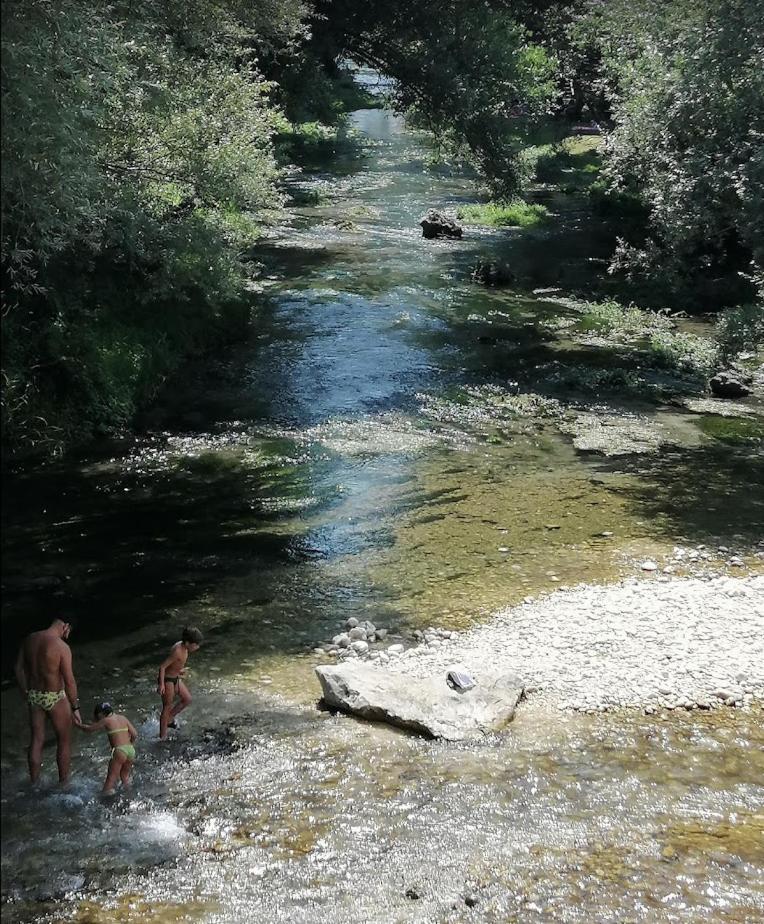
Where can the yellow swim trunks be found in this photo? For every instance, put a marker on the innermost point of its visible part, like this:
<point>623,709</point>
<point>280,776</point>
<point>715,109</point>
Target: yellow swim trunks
<point>44,698</point>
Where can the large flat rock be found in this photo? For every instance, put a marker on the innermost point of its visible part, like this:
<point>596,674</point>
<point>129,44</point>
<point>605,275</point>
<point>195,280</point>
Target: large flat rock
<point>428,706</point>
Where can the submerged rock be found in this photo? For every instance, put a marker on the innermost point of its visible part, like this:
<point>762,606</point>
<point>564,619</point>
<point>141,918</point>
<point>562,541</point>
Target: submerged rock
<point>438,224</point>
<point>492,273</point>
<point>730,383</point>
<point>615,434</point>
<point>427,706</point>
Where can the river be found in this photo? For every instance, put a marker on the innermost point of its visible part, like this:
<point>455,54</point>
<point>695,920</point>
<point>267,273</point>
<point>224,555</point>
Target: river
<point>355,457</point>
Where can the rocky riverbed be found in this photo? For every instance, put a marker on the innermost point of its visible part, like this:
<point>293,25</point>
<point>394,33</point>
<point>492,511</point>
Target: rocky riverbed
<point>648,643</point>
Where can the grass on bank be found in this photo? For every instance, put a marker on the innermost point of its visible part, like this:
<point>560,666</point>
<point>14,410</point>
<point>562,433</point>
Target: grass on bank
<point>737,330</point>
<point>515,214</point>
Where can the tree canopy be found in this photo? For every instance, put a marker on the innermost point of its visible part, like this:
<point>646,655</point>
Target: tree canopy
<point>141,154</point>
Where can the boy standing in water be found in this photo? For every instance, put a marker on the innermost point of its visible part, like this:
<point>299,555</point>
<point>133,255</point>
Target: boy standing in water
<point>169,683</point>
<point>121,736</point>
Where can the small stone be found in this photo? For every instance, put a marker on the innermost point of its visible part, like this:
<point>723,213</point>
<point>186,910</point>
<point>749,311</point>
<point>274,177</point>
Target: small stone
<point>357,632</point>
<point>648,565</point>
<point>351,623</point>
<point>470,901</point>
<point>413,893</point>
<point>360,646</point>
<point>395,650</point>
<point>503,549</point>
<point>380,634</point>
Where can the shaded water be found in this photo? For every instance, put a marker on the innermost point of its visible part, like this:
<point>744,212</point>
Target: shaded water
<point>365,454</point>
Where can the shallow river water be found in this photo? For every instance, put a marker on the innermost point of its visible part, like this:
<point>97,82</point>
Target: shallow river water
<point>372,451</point>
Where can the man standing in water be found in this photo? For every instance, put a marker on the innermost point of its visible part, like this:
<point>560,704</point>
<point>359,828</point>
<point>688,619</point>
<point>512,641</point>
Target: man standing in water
<point>44,674</point>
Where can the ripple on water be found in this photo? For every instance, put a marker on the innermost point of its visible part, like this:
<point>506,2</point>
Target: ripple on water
<point>591,820</point>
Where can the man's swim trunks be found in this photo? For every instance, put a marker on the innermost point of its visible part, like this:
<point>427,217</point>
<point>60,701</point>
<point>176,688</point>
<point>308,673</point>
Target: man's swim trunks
<point>45,699</point>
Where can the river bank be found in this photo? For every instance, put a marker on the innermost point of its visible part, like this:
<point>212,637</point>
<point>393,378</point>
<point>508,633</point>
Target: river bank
<point>644,643</point>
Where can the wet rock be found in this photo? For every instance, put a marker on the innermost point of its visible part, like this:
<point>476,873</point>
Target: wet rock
<point>648,566</point>
<point>615,434</point>
<point>357,632</point>
<point>380,634</point>
<point>492,273</point>
<point>425,705</point>
<point>360,646</point>
<point>351,623</point>
<point>413,893</point>
<point>438,224</point>
<point>470,900</point>
<point>730,383</point>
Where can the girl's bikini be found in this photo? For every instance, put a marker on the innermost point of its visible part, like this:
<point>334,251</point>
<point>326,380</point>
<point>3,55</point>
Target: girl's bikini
<point>127,749</point>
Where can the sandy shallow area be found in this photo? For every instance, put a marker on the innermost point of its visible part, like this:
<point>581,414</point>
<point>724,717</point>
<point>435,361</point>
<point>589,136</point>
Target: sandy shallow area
<point>671,643</point>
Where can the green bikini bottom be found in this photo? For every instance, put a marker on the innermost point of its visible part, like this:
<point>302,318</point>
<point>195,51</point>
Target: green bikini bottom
<point>127,749</point>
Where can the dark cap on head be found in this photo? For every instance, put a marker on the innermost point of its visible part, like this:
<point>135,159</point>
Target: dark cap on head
<point>103,709</point>
<point>192,635</point>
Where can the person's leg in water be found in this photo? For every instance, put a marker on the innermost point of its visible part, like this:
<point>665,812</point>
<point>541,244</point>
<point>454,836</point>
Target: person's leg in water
<point>61,717</point>
<point>124,773</point>
<point>113,774</point>
<point>36,741</point>
<point>168,697</point>
<point>185,699</point>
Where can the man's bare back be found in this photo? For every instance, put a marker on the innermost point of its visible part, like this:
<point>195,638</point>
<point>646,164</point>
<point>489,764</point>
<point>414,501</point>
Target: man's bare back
<point>45,677</point>
<point>44,655</point>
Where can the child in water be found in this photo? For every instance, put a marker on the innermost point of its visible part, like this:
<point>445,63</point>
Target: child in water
<point>169,682</point>
<point>121,736</point>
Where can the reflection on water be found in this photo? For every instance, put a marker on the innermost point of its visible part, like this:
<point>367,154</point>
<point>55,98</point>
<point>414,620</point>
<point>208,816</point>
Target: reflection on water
<point>367,452</point>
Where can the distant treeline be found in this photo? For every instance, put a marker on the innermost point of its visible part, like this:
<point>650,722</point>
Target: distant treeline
<point>143,141</point>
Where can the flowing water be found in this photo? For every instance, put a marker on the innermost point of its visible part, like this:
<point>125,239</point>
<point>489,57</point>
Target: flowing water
<point>367,452</point>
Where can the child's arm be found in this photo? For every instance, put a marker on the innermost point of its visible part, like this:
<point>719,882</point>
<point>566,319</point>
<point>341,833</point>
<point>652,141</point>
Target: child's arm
<point>93,726</point>
<point>131,730</point>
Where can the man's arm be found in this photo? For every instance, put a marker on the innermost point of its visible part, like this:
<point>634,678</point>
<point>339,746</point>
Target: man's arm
<point>21,674</point>
<point>70,684</point>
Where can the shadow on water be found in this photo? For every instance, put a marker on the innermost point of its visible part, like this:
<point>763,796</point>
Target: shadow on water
<point>703,494</point>
<point>137,545</point>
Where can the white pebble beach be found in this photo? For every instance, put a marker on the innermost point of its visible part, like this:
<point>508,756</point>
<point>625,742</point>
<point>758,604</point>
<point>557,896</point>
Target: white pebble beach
<point>684,643</point>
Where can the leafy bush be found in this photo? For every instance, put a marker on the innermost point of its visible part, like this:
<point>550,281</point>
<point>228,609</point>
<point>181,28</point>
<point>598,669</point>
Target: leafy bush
<point>686,89</point>
<point>740,330</point>
<point>138,165</point>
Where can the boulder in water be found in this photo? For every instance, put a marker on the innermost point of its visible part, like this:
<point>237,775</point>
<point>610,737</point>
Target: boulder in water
<point>730,383</point>
<point>427,706</point>
<point>438,224</point>
<point>492,273</point>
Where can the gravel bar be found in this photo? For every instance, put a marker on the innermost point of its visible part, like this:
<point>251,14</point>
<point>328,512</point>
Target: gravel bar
<point>680,643</point>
